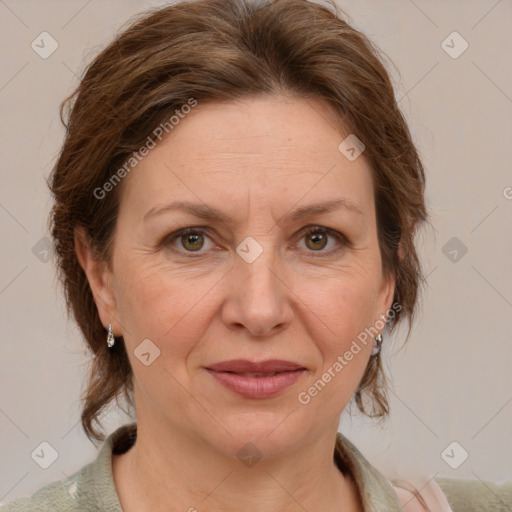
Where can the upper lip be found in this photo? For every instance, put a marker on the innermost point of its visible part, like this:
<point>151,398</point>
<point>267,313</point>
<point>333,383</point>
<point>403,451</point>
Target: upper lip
<point>244,365</point>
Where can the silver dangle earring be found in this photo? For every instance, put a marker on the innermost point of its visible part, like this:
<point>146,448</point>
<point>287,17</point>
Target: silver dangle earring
<point>110,337</point>
<point>378,345</point>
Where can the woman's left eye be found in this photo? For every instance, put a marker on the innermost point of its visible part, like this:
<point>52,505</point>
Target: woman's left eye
<point>317,238</point>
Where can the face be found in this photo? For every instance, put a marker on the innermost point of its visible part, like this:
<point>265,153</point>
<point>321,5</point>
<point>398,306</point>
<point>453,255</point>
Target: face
<point>272,279</point>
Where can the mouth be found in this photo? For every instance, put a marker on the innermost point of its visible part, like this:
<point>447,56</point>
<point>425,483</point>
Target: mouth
<point>257,367</point>
<point>256,379</point>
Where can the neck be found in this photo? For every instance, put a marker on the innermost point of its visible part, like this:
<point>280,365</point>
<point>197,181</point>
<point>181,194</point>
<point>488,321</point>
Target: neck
<point>173,468</point>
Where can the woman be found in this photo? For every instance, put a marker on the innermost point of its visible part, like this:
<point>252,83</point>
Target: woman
<point>235,208</point>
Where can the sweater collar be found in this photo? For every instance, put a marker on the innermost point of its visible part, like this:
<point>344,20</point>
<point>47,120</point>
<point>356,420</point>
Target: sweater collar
<point>377,494</point>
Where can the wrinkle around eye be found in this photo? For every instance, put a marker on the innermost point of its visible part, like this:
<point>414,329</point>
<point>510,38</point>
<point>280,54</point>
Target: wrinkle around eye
<point>211,248</point>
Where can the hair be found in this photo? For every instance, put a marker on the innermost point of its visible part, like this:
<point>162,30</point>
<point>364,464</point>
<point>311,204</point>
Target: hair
<point>220,51</point>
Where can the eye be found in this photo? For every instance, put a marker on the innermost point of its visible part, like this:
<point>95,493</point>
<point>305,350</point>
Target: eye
<point>317,238</point>
<point>190,239</point>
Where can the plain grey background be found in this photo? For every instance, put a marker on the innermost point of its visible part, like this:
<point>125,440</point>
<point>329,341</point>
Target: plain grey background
<point>451,383</point>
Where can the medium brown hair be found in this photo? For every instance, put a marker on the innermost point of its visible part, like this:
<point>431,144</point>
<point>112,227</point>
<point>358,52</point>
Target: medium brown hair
<point>221,50</point>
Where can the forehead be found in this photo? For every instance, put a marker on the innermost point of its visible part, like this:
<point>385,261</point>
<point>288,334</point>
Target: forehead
<point>270,150</point>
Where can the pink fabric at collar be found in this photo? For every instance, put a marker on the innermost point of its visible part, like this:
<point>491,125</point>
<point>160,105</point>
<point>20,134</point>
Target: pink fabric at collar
<point>432,494</point>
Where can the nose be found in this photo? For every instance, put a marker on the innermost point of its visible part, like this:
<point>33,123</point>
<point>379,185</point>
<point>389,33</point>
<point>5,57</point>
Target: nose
<point>258,296</point>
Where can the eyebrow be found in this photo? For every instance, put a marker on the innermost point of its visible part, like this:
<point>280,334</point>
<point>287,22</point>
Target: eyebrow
<point>213,214</point>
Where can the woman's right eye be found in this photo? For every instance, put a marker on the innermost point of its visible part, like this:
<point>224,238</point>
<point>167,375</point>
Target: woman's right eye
<point>191,240</point>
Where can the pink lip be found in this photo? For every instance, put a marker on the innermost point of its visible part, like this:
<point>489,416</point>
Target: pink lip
<point>228,374</point>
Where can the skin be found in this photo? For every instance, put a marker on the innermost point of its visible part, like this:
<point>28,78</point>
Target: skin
<point>256,160</point>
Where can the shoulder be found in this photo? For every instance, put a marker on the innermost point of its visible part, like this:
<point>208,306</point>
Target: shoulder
<point>57,496</point>
<point>455,495</point>
<point>475,495</point>
<point>90,489</point>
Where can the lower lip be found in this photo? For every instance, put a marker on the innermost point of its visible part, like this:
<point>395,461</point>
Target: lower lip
<point>257,387</point>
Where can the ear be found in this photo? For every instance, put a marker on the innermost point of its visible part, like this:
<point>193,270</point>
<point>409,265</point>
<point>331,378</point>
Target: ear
<point>100,280</point>
<point>386,295</point>
<point>387,290</point>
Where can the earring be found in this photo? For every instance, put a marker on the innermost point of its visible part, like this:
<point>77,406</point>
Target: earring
<point>378,345</point>
<point>110,337</point>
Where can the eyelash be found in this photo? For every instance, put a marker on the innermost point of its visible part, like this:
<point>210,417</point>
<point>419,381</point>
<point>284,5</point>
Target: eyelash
<point>308,230</point>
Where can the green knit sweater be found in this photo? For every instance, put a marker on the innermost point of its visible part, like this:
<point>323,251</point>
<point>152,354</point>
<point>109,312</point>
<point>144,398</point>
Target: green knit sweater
<point>92,487</point>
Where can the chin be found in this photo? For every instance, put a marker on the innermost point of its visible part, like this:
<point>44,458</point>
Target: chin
<point>265,433</point>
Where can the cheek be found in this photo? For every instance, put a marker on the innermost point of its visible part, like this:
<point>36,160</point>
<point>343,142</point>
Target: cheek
<point>161,305</point>
<point>340,308</point>
<point>338,316</point>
